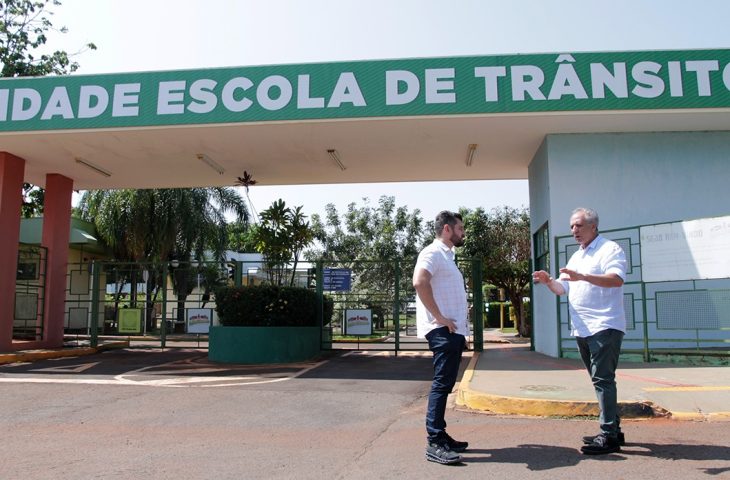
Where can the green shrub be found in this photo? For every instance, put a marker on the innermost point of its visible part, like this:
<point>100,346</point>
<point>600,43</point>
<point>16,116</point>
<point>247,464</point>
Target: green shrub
<point>270,306</point>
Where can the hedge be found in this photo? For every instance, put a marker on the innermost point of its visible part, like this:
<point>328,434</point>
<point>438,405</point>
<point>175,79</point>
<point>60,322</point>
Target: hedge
<point>270,306</point>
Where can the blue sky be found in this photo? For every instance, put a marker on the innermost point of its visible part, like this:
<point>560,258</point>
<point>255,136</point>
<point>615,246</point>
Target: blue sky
<point>146,35</point>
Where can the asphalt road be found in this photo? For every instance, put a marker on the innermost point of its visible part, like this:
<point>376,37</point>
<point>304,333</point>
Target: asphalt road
<point>131,414</point>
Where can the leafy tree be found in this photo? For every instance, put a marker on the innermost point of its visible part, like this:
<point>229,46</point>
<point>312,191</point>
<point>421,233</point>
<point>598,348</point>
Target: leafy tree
<point>241,237</point>
<point>24,25</point>
<point>281,237</point>
<point>369,241</point>
<point>159,225</point>
<point>33,198</point>
<point>23,28</point>
<point>502,239</point>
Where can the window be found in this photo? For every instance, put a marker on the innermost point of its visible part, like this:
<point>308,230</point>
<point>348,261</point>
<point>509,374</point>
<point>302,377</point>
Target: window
<point>541,242</point>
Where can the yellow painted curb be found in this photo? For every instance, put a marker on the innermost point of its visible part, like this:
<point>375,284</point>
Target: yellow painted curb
<point>719,417</point>
<point>701,417</point>
<point>44,355</point>
<point>505,405</point>
<point>31,356</point>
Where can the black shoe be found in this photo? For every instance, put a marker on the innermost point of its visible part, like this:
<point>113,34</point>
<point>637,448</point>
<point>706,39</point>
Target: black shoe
<point>441,454</point>
<point>620,437</point>
<point>455,445</point>
<point>601,445</point>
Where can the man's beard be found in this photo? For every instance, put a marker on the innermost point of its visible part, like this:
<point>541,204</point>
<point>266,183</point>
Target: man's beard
<point>458,242</point>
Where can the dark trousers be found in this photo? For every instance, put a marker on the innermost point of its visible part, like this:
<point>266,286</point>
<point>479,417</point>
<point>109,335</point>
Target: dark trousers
<point>600,356</point>
<point>447,349</point>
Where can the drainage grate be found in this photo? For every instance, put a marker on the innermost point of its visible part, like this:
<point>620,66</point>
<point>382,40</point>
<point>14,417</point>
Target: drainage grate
<point>542,388</point>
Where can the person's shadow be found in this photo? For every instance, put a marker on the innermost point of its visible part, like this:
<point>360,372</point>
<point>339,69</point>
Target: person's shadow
<point>547,457</point>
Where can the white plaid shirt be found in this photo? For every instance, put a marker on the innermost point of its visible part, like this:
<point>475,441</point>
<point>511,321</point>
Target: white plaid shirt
<point>447,284</point>
<point>592,308</point>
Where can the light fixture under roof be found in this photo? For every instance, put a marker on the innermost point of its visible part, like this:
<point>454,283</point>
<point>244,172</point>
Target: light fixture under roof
<point>336,158</point>
<point>212,164</point>
<point>470,153</point>
<point>93,167</point>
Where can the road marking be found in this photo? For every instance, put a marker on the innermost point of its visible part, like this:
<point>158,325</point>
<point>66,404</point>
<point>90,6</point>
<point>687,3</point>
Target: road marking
<point>141,376</point>
<point>68,368</point>
<point>720,388</point>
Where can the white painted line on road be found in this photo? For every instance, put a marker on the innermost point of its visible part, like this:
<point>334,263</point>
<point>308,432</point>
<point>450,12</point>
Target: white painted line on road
<point>87,381</point>
<point>68,368</point>
<point>129,378</point>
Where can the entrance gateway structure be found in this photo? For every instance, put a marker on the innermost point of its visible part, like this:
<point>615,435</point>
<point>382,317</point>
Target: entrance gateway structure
<point>642,137</point>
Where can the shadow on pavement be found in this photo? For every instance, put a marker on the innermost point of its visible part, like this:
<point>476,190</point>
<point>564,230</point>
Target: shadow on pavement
<point>546,457</point>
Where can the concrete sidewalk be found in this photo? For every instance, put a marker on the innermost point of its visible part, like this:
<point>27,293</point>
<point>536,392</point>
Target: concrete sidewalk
<point>508,378</point>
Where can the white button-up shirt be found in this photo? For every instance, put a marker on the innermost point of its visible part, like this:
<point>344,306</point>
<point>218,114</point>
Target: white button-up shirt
<point>447,284</point>
<point>592,308</point>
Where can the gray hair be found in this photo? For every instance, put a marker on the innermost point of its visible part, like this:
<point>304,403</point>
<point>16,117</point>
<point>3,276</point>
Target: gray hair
<point>589,214</point>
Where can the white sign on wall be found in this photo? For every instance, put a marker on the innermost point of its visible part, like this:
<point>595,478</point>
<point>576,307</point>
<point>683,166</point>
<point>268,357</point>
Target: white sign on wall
<point>689,250</point>
<point>199,319</point>
<point>358,322</point>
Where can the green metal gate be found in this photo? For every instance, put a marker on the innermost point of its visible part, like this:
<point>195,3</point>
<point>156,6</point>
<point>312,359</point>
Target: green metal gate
<point>374,308</point>
<point>154,304</point>
<point>30,298</point>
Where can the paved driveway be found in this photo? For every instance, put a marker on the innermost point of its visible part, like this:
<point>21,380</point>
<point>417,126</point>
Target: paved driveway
<point>173,415</point>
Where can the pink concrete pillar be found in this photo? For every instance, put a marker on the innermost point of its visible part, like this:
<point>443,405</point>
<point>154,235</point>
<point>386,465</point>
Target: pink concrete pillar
<point>56,233</point>
<point>12,169</point>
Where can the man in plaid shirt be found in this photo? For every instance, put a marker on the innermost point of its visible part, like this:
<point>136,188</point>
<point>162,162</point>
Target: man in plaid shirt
<point>441,316</point>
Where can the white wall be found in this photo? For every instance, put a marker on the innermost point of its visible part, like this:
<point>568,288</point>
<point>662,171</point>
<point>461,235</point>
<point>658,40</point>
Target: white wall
<point>546,320</point>
<point>630,179</point>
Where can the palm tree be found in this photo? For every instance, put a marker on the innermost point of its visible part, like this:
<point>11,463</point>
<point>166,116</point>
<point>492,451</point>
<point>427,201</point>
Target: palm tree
<point>159,225</point>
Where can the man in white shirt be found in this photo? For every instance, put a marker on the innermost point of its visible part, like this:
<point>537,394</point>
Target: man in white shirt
<point>441,316</point>
<point>593,280</point>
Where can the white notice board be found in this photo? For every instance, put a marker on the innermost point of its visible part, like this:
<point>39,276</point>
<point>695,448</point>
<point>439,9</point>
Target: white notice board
<point>689,250</point>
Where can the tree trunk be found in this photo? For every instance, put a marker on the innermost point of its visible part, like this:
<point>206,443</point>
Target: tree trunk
<point>523,329</point>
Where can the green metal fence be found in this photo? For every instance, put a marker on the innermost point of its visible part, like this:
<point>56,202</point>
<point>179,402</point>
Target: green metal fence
<point>687,317</point>
<point>375,310</point>
<point>172,304</point>
<point>30,280</point>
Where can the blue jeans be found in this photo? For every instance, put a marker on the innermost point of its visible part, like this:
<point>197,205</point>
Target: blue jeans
<point>447,349</point>
<point>600,356</point>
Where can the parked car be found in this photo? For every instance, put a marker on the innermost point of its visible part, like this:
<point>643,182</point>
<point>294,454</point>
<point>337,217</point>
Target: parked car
<point>411,308</point>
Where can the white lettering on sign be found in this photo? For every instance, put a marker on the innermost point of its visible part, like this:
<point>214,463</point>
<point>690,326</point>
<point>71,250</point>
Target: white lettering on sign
<point>394,80</point>
<point>26,104</point>
<point>649,84</point>
<point>440,85</point>
<point>4,97</point>
<point>304,100</point>
<point>229,94</point>
<point>703,69</point>
<point>203,96</point>
<point>125,102</point>
<point>171,98</point>
<point>616,82</point>
<point>726,76</point>
<point>93,101</point>
<point>566,82</point>
<point>263,92</point>
<point>671,80</point>
<point>58,104</point>
<point>491,77</point>
<point>675,79</point>
<point>347,90</point>
<point>527,79</point>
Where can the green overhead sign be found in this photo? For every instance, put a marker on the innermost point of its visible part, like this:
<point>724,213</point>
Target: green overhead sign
<point>654,80</point>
